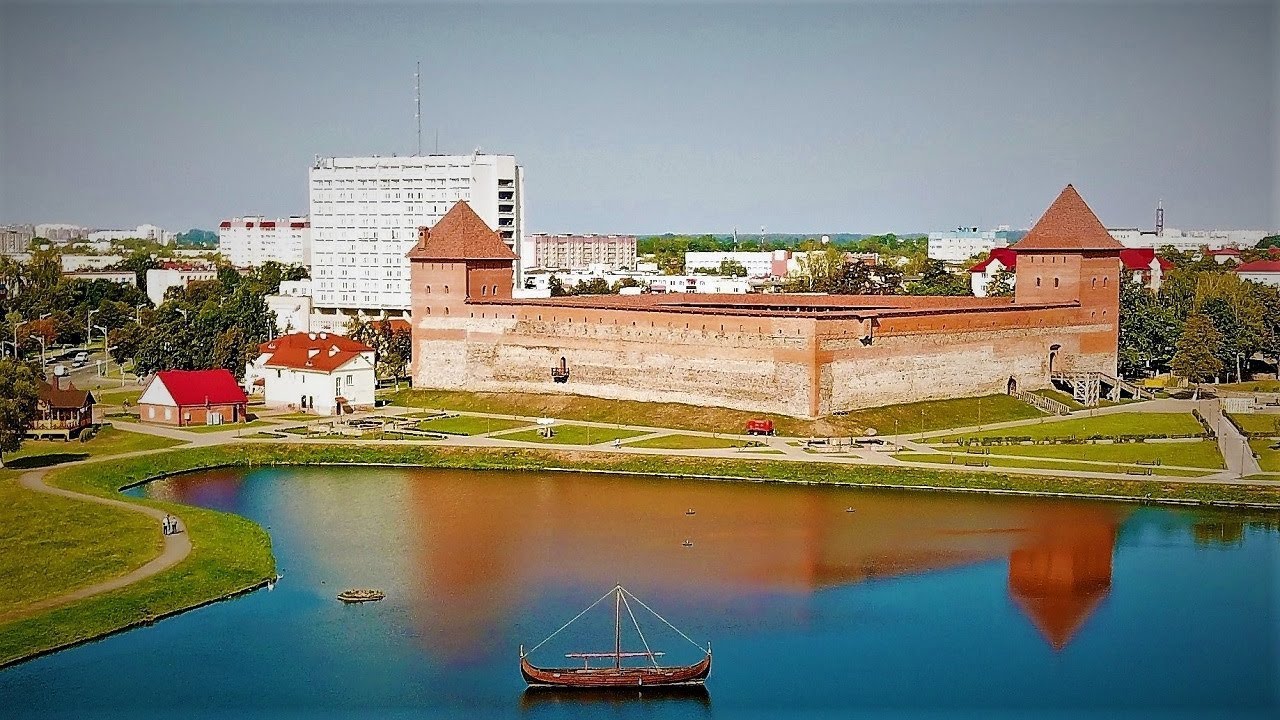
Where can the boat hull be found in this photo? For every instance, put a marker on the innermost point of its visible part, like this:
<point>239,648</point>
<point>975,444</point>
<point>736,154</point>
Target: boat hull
<point>633,677</point>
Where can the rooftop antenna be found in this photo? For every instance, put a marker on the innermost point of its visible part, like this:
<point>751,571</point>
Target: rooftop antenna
<point>1160,218</point>
<point>417,101</point>
<point>762,237</point>
<point>735,239</point>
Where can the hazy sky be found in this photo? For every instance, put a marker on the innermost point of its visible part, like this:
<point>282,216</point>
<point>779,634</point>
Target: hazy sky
<point>650,118</point>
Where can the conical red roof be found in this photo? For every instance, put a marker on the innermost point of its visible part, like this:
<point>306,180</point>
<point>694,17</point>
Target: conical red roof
<point>461,235</point>
<point>1068,224</point>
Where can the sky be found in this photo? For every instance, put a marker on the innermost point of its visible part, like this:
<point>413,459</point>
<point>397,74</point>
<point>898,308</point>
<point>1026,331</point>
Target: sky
<point>654,117</point>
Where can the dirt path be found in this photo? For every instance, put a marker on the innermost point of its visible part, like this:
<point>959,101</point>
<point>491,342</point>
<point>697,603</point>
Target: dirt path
<point>176,547</point>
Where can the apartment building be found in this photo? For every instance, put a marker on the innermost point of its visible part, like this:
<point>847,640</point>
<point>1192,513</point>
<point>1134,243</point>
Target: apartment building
<point>578,252</point>
<point>365,213</point>
<point>965,242</point>
<point>253,240</point>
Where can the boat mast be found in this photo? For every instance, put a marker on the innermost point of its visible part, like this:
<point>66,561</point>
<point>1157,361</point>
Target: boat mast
<point>617,630</point>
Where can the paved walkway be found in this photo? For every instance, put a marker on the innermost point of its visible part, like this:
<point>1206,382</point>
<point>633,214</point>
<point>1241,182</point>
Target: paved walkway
<point>176,547</point>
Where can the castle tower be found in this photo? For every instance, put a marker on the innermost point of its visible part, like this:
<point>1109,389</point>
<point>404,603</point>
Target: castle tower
<point>458,260</point>
<point>1070,258</point>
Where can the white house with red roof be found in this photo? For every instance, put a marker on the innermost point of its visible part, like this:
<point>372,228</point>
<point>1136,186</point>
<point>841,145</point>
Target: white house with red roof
<point>1141,264</point>
<point>321,372</point>
<point>192,397</point>
<point>1266,272</point>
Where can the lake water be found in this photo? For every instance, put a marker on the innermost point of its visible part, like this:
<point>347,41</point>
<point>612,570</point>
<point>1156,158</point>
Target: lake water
<point>912,604</point>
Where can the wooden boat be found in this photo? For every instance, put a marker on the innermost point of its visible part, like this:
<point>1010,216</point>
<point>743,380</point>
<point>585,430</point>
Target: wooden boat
<point>618,676</point>
<point>361,596</point>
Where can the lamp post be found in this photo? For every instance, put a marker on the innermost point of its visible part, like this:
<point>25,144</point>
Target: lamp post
<point>88,327</point>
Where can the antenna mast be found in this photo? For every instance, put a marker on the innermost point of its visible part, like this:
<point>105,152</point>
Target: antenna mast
<point>417,101</point>
<point>1160,218</point>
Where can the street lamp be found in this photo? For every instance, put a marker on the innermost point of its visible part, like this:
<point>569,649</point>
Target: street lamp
<point>88,327</point>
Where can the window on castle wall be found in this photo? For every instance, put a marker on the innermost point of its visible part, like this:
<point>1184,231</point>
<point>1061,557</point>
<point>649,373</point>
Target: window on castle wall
<point>446,311</point>
<point>428,289</point>
<point>1095,282</point>
<point>495,289</point>
<point>1104,282</point>
<point>1037,282</point>
<point>446,289</point>
<point>484,290</point>
<point>1055,282</point>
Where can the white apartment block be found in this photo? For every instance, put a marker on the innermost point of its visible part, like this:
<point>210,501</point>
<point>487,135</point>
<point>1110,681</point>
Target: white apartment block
<point>1187,239</point>
<point>963,243</point>
<point>759,263</point>
<point>159,280</point>
<point>145,231</point>
<point>366,211</point>
<point>253,240</point>
<point>578,252</point>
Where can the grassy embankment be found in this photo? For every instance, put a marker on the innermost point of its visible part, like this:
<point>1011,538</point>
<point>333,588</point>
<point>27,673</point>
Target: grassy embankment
<point>107,441</point>
<point>468,425</point>
<point>229,554</point>
<point>572,435</point>
<point>1041,463</point>
<point>1082,427</point>
<point>1267,424</point>
<point>689,442</point>
<point>906,418</point>
<point>1268,459</point>
<point>1264,386</point>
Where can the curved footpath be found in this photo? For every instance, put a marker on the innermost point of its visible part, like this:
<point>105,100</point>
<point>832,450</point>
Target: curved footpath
<point>176,547</point>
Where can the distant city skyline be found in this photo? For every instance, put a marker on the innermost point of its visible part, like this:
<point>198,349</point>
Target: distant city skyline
<point>651,119</point>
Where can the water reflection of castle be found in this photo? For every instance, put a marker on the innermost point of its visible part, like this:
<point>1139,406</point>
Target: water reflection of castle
<point>470,544</point>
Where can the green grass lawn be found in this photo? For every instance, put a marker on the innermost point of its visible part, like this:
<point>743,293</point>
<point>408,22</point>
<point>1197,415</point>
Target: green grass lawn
<point>53,544</point>
<point>1267,386</point>
<point>1268,459</point>
<point>687,442</point>
<point>1258,423</point>
<point>959,460</point>
<point>1114,424</point>
<point>297,416</point>
<point>1069,401</point>
<point>108,441</point>
<point>227,427</point>
<point>466,425</point>
<point>1202,454</point>
<point>763,451</point>
<point>935,415</point>
<point>573,435</point>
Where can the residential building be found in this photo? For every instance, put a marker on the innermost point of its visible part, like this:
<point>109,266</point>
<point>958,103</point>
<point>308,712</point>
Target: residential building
<point>1266,272</point>
<point>145,231</point>
<point>365,213</point>
<point>121,277</point>
<point>253,240</point>
<point>327,374</point>
<point>964,242</point>
<point>192,397</point>
<point>292,306</point>
<point>160,279</point>
<point>63,410</point>
<point>78,263</point>
<point>1187,240</point>
<point>16,239</point>
<point>578,252</point>
<point>997,261</point>
<point>61,233</point>
<point>759,263</point>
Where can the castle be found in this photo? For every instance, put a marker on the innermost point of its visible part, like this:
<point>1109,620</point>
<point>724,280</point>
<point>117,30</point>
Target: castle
<point>795,354</point>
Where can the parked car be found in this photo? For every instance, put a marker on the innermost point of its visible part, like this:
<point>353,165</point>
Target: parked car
<point>760,427</point>
<point>80,359</point>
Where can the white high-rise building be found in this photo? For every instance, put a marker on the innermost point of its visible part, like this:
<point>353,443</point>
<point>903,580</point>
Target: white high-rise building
<point>366,211</point>
<point>252,240</point>
<point>963,243</point>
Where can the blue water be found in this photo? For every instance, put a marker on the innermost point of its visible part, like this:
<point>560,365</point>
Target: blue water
<point>912,605</point>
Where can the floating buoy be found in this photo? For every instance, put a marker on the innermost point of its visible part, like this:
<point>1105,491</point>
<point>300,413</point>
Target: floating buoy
<point>850,509</point>
<point>690,511</point>
<point>687,543</point>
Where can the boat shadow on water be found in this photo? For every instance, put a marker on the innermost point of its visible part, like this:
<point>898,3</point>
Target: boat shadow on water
<point>689,696</point>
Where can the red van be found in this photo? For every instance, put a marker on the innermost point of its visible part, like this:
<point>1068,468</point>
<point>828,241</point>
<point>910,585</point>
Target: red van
<point>760,427</point>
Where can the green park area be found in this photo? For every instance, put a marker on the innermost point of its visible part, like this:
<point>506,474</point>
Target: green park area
<point>1260,386</point>
<point>572,435</point>
<point>1268,452</point>
<point>1265,424</point>
<point>687,442</point>
<point>1198,453</point>
<point>1109,425</point>
<point>469,425</point>
<point>905,418</point>
<point>227,427</point>
<point>107,441</point>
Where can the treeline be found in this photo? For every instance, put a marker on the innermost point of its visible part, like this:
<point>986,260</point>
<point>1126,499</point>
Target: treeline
<point>1203,323</point>
<point>669,249</point>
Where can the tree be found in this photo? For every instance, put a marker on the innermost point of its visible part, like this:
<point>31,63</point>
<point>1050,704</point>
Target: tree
<point>935,279</point>
<point>557,287</point>
<point>1196,358</point>
<point>594,286</point>
<point>1001,284</point>
<point>732,268</point>
<point>1270,241</point>
<point>1149,331</point>
<point>123,342</point>
<point>397,352</point>
<point>19,395</point>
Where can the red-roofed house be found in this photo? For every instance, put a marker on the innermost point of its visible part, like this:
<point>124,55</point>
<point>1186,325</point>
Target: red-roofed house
<point>192,397</point>
<point>1224,255</point>
<point>329,374</point>
<point>981,275</point>
<point>1266,272</point>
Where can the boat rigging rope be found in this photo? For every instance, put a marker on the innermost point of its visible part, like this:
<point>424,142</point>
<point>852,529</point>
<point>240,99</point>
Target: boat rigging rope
<point>584,612</point>
<point>639,632</point>
<point>655,614</point>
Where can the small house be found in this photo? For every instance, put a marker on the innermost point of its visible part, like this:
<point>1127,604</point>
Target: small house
<point>192,397</point>
<point>63,409</point>
<point>321,372</point>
